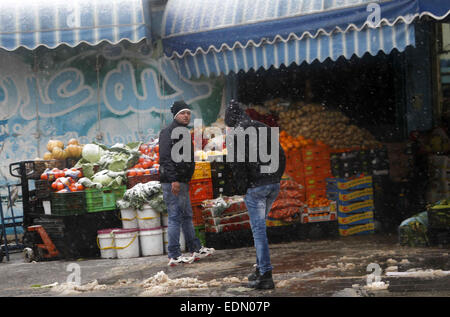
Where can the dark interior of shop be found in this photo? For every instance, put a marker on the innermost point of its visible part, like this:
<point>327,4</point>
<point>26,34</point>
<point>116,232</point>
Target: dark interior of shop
<point>365,89</point>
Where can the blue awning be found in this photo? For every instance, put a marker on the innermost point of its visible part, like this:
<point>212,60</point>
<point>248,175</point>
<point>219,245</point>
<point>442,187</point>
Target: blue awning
<point>31,23</point>
<point>205,37</point>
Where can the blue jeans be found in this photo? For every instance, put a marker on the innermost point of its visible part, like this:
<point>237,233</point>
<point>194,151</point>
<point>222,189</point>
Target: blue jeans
<point>180,218</point>
<point>259,201</point>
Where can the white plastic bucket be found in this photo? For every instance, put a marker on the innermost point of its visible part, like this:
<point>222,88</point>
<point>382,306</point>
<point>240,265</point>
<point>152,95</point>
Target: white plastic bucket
<point>105,242</point>
<point>165,219</point>
<point>151,241</point>
<point>148,218</point>
<point>166,240</point>
<point>126,243</point>
<point>129,218</point>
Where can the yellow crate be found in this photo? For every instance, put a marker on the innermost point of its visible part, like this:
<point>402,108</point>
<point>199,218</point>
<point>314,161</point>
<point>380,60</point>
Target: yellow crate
<point>366,229</point>
<point>202,170</point>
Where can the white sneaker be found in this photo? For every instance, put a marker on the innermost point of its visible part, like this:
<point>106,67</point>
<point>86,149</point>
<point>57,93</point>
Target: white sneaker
<point>181,260</point>
<point>203,252</point>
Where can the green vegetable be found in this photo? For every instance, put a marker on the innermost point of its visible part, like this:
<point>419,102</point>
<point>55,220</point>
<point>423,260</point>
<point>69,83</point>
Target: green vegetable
<point>92,153</point>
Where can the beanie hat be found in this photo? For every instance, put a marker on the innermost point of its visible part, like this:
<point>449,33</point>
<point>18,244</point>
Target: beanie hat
<point>233,113</point>
<point>179,106</point>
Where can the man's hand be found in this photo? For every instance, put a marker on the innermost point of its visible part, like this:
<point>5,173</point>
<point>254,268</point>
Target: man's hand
<point>175,188</point>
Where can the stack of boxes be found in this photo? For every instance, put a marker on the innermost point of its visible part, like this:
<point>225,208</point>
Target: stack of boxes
<point>310,167</point>
<point>200,189</point>
<point>352,163</point>
<point>355,204</point>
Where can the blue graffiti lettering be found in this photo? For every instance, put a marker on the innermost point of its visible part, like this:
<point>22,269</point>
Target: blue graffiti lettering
<point>64,93</point>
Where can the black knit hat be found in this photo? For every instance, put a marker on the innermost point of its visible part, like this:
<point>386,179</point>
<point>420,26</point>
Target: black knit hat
<point>178,106</point>
<point>233,113</point>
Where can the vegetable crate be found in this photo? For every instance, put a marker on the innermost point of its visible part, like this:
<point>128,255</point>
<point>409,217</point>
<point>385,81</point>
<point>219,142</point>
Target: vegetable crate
<point>133,180</point>
<point>68,204</point>
<point>43,189</point>
<point>319,217</point>
<point>197,215</point>
<point>200,234</point>
<point>439,217</point>
<point>40,166</point>
<point>103,199</point>
<point>315,153</point>
<point>202,170</point>
<point>200,190</point>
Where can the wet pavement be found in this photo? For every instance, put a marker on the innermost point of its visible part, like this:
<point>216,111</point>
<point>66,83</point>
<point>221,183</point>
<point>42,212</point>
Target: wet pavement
<point>358,266</point>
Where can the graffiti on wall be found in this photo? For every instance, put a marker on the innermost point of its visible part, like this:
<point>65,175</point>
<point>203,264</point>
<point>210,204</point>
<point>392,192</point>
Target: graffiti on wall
<point>110,94</point>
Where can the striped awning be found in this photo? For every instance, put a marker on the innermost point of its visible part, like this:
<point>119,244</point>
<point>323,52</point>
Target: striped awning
<point>209,37</point>
<point>31,23</point>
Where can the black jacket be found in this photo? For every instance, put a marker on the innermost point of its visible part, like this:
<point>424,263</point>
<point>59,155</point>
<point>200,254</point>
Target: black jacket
<point>248,174</point>
<point>169,170</point>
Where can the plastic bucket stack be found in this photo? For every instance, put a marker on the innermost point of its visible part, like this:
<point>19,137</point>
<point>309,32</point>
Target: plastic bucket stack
<point>126,243</point>
<point>151,241</point>
<point>129,218</point>
<point>105,241</point>
<point>148,218</point>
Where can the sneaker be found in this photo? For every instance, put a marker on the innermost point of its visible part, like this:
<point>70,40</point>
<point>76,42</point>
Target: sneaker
<point>263,281</point>
<point>254,275</point>
<point>203,252</point>
<point>181,260</point>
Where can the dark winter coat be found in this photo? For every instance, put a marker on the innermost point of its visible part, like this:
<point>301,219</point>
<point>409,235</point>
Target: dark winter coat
<point>169,170</point>
<point>248,174</point>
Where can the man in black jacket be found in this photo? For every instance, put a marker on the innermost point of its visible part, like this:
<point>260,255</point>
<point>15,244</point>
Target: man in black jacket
<point>259,165</point>
<point>176,169</point>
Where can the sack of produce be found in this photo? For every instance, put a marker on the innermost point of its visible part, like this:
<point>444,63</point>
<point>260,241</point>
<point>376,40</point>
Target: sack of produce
<point>413,231</point>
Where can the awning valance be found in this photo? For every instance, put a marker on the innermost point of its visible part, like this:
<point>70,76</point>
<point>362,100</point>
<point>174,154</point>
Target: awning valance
<point>31,23</point>
<point>200,32</point>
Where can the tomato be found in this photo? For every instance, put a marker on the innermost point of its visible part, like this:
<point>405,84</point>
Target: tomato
<point>141,159</point>
<point>79,186</point>
<point>54,185</point>
<point>131,173</point>
<point>147,172</point>
<point>44,176</point>
<point>140,173</point>
<point>59,186</point>
<point>73,188</point>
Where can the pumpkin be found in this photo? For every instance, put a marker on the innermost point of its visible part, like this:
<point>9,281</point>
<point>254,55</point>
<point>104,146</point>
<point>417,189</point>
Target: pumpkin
<point>73,141</point>
<point>48,156</point>
<point>74,151</point>
<point>54,143</point>
<point>57,153</point>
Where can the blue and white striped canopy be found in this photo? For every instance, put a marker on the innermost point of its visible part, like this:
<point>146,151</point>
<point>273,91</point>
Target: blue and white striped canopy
<point>209,37</point>
<point>31,23</point>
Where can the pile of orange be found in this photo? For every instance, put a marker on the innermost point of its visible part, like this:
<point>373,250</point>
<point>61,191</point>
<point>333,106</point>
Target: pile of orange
<point>288,142</point>
<point>317,202</point>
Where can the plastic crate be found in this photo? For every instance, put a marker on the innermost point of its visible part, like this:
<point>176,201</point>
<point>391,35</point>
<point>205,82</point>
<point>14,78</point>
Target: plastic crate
<point>319,217</point>
<point>197,215</point>
<point>202,170</point>
<point>133,180</point>
<point>368,228</point>
<point>40,166</point>
<point>200,190</point>
<point>200,234</point>
<point>103,199</point>
<point>355,219</point>
<point>439,217</point>
<point>68,204</point>
<point>320,169</point>
<point>43,189</point>
<point>315,153</point>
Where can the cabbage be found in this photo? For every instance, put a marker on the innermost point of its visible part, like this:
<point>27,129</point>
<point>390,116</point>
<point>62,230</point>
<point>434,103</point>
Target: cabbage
<point>92,153</point>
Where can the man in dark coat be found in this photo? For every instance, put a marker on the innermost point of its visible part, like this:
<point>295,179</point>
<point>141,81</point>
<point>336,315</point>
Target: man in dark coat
<point>261,179</point>
<point>176,169</point>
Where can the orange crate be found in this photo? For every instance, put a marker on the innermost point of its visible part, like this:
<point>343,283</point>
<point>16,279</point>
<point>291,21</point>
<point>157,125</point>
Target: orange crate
<point>200,190</point>
<point>316,194</point>
<point>320,168</point>
<point>293,157</point>
<point>296,173</point>
<point>315,153</point>
<point>197,215</point>
<point>315,183</point>
<point>133,180</point>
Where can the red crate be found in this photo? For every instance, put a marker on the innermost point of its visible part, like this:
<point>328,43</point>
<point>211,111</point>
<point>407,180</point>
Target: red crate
<point>315,153</point>
<point>197,215</point>
<point>133,180</point>
<point>200,190</point>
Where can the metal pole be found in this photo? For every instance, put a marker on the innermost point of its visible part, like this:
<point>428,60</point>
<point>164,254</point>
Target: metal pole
<point>12,214</point>
<point>4,230</point>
